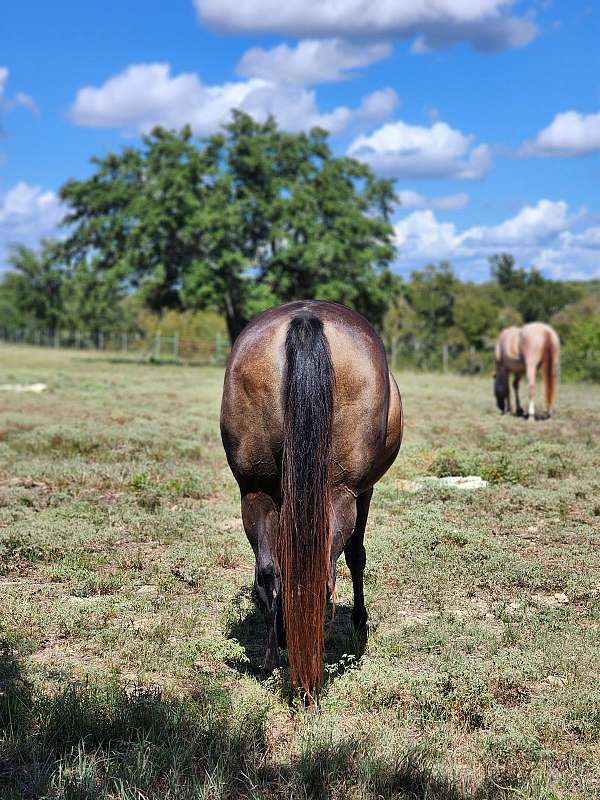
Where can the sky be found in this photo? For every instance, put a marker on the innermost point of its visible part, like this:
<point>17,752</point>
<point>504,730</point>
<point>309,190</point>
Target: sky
<point>486,112</point>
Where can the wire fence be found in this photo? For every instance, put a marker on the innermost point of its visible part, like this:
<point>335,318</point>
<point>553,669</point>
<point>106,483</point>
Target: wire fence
<point>157,346</point>
<point>420,355</point>
<point>576,363</point>
<point>213,350</point>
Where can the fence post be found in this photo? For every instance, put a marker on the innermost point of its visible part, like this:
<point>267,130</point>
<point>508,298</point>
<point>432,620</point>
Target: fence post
<point>445,357</point>
<point>176,346</point>
<point>157,346</point>
<point>124,342</point>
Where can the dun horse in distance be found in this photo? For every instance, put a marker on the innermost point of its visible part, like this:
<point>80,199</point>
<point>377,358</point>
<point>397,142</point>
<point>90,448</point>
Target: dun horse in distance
<point>521,351</point>
<point>311,418</point>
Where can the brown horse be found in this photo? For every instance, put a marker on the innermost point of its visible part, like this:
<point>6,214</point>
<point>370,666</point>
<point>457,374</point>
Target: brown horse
<point>311,418</point>
<point>521,351</point>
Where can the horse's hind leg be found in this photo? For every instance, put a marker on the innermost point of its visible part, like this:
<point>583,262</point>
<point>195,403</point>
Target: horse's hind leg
<point>518,406</point>
<point>261,519</point>
<point>356,559</point>
<point>531,369</point>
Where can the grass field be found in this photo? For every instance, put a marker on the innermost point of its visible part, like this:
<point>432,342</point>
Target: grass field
<point>130,647</point>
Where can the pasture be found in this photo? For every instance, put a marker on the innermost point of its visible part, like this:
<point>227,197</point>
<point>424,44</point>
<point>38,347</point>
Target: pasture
<point>130,647</point>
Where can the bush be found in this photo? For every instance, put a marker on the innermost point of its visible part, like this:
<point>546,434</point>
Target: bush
<point>581,355</point>
<point>472,362</point>
<point>452,462</point>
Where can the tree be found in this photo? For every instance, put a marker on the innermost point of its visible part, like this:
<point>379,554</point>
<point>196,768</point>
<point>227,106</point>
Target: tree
<point>31,292</point>
<point>534,297</point>
<point>138,218</point>
<point>93,301</point>
<point>541,298</point>
<point>581,354</point>
<point>505,272</point>
<point>432,292</point>
<point>236,222</point>
<point>401,329</point>
<point>567,318</point>
<point>475,316</point>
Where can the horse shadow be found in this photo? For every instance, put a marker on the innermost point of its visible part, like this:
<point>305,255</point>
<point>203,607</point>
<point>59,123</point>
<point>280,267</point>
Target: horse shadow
<point>539,416</point>
<point>344,647</point>
<point>50,733</point>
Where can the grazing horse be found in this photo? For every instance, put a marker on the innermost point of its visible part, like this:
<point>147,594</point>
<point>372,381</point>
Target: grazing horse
<point>311,418</point>
<point>521,351</point>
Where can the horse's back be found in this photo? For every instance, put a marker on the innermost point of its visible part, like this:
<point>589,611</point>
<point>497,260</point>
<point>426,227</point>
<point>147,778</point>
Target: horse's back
<point>252,410</point>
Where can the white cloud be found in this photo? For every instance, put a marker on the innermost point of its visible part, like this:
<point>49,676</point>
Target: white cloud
<point>569,134</point>
<point>409,151</point>
<point>421,237</point>
<point>575,256</point>
<point>486,24</point>
<point>377,106</point>
<point>411,199</point>
<point>27,214</point>
<point>25,100</point>
<point>533,225</point>
<point>310,61</point>
<point>588,238</point>
<point>145,95</point>
<point>541,235</point>
<point>20,98</point>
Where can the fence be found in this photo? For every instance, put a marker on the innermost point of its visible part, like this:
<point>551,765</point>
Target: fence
<point>158,347</point>
<point>214,350</point>
<point>575,365</point>
<point>420,355</point>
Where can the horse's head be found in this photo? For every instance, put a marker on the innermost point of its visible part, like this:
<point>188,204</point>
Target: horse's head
<point>501,388</point>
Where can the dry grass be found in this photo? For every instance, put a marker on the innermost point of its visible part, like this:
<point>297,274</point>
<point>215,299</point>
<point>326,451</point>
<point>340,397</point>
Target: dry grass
<point>129,666</point>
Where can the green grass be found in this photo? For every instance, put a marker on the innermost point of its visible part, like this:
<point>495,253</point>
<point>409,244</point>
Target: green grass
<point>130,647</point>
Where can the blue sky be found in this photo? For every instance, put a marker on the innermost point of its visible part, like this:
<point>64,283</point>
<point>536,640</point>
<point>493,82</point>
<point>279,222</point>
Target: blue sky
<point>487,111</point>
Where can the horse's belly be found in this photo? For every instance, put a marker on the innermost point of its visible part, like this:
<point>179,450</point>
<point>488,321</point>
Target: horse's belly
<point>514,365</point>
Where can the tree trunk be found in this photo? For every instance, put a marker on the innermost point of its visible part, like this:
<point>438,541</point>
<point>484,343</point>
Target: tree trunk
<point>236,321</point>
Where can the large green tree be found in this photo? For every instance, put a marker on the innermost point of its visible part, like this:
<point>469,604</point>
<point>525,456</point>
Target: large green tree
<point>235,222</point>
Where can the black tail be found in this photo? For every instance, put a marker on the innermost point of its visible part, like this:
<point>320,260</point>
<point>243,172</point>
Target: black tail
<point>304,538</point>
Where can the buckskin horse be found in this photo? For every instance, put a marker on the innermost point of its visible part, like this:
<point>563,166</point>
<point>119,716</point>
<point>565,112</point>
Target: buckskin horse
<point>521,351</point>
<point>311,418</point>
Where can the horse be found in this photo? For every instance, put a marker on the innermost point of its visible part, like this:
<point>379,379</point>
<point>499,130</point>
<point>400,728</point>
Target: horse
<point>521,351</point>
<point>311,419</point>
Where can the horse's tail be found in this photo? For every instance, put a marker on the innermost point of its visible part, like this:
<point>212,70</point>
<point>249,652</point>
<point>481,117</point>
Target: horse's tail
<point>304,537</point>
<point>550,369</point>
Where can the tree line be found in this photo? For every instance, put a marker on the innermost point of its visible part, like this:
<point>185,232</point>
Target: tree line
<point>435,311</point>
<point>211,231</point>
